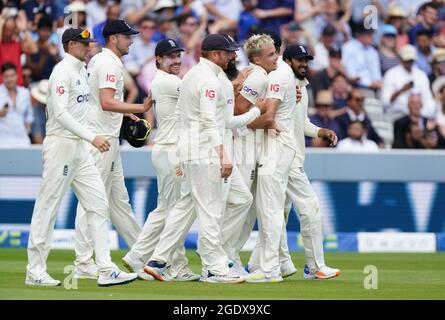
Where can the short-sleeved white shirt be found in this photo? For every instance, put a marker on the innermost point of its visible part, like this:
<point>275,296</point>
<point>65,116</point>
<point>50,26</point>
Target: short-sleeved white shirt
<point>165,90</point>
<point>282,86</point>
<point>105,70</point>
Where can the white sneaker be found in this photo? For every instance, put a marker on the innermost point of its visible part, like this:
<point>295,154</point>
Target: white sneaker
<point>238,268</point>
<point>259,276</point>
<point>86,271</point>
<point>323,273</point>
<point>186,274</point>
<point>115,277</point>
<point>45,280</point>
<point>136,266</point>
<point>230,277</point>
<point>157,270</point>
<point>287,269</point>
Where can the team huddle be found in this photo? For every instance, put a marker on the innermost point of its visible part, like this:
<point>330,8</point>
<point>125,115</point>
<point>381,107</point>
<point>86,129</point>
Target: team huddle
<point>229,151</point>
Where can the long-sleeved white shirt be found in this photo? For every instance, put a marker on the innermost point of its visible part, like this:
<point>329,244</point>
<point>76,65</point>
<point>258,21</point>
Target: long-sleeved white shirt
<point>231,121</point>
<point>105,70</point>
<point>395,78</point>
<point>302,125</point>
<point>165,90</point>
<point>201,128</point>
<point>67,101</point>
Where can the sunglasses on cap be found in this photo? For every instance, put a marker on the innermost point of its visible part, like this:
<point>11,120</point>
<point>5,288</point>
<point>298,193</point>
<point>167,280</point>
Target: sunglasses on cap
<point>85,34</point>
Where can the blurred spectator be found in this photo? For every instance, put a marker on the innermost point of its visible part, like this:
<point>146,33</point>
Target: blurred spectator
<point>334,15</point>
<point>166,26</point>
<point>387,51</point>
<point>191,34</point>
<point>47,55</point>
<point>305,13</point>
<point>134,10</point>
<point>362,60</point>
<point>425,50</point>
<point>356,112</point>
<point>428,17</point>
<point>78,12</point>
<point>113,13</point>
<point>248,22</point>
<point>322,47</point>
<point>274,13</point>
<point>38,93</point>
<point>292,33</point>
<point>16,114</point>
<point>356,140</point>
<point>402,80</point>
<point>27,75</point>
<point>223,14</point>
<point>96,12</point>
<point>35,8</point>
<point>437,65</point>
<point>409,130</point>
<point>340,91</point>
<point>193,7</point>
<point>396,17</point>
<point>15,39</point>
<point>143,47</point>
<point>323,79</point>
<point>323,118</point>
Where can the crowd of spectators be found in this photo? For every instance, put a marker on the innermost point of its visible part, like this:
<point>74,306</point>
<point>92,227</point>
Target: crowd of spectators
<point>392,56</point>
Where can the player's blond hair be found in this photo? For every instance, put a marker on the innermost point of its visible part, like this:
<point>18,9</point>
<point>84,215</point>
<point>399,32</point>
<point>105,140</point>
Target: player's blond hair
<point>255,43</point>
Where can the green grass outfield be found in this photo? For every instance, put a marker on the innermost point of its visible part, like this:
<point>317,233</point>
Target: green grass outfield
<point>400,276</point>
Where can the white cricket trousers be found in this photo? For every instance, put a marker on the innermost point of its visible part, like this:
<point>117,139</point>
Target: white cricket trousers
<point>168,194</point>
<point>201,197</point>
<point>109,165</point>
<point>301,194</point>
<point>273,174</point>
<point>68,162</point>
<point>238,200</point>
<point>246,155</point>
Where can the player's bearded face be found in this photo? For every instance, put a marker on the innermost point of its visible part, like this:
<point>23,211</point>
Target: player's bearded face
<point>172,62</point>
<point>231,70</point>
<point>299,67</point>
<point>123,43</point>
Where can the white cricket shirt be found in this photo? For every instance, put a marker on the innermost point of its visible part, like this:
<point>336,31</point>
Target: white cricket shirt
<point>67,101</point>
<point>105,70</point>
<point>165,90</point>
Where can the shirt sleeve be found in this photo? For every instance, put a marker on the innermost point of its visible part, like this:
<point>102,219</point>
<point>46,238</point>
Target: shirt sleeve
<point>251,88</point>
<point>60,91</point>
<point>172,87</point>
<point>235,122</point>
<point>107,76</point>
<point>29,113</point>
<point>310,129</point>
<point>208,100</point>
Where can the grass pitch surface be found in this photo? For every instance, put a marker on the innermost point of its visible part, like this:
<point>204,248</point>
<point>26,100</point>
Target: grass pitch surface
<point>399,276</point>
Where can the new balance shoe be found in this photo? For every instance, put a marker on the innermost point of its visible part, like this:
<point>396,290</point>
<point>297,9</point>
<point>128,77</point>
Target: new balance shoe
<point>45,280</point>
<point>136,266</point>
<point>186,274</point>
<point>157,270</point>
<point>260,277</point>
<point>115,277</point>
<point>323,273</point>
<point>287,269</point>
<point>86,271</point>
<point>238,268</point>
<point>326,272</point>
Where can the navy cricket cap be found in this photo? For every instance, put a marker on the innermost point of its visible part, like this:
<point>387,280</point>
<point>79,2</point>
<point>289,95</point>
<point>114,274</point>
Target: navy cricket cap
<point>117,27</point>
<point>274,35</point>
<point>217,42</point>
<point>232,41</point>
<point>167,46</point>
<point>296,51</point>
<point>77,34</point>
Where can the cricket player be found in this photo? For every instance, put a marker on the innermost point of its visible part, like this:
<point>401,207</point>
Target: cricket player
<point>105,118</point>
<point>237,195</point>
<point>247,141</point>
<point>205,166</point>
<point>67,162</point>
<point>165,90</point>
<point>299,190</point>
